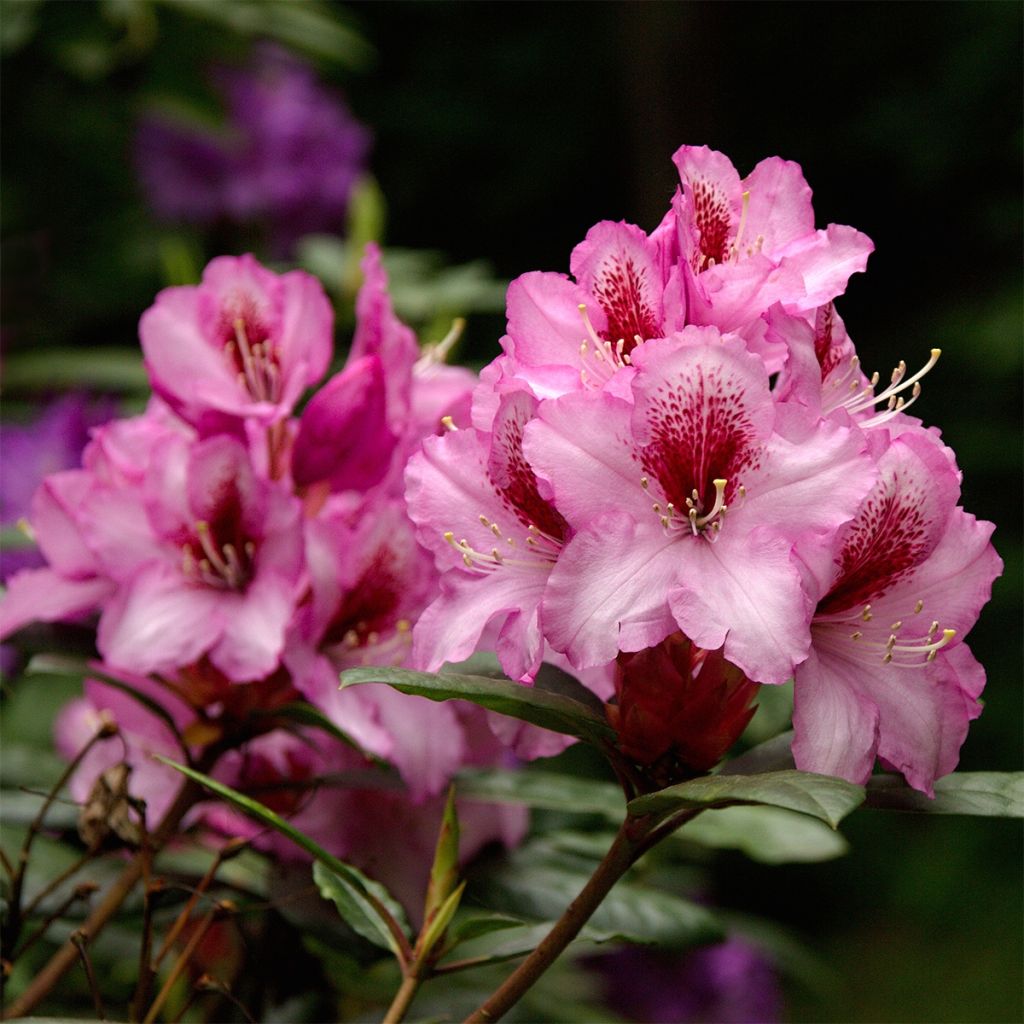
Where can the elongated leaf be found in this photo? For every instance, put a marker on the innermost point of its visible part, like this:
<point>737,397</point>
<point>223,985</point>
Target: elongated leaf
<point>373,897</point>
<point>820,796</point>
<point>356,910</point>
<point>308,26</point>
<point>549,790</point>
<point>769,835</point>
<point>302,713</point>
<point>991,794</point>
<point>552,711</point>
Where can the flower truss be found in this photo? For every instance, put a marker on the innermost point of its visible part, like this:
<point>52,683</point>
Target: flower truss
<point>239,555</point>
<point>678,451</point>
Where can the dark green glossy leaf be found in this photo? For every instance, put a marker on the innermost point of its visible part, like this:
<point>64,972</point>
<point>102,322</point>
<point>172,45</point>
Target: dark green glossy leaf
<point>821,796</point>
<point>532,704</point>
<point>991,794</point>
<point>373,907</point>
<point>549,790</point>
<point>769,835</point>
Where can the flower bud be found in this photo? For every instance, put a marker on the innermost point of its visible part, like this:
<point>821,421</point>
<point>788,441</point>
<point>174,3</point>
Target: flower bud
<point>678,708</point>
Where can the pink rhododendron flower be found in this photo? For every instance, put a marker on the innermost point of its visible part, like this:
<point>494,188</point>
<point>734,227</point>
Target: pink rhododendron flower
<point>480,508</point>
<point>687,504</point>
<point>245,342</point>
<point>223,573</point>
<point>748,244</point>
<point>888,674</point>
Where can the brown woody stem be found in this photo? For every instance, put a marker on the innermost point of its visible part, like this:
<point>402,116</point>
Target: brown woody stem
<point>629,843</point>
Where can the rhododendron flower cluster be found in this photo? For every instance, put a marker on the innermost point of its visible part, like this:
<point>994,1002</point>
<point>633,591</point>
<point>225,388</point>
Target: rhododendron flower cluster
<point>239,555</point>
<point>678,441</point>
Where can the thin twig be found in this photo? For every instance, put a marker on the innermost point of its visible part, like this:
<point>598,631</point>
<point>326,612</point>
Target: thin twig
<point>82,892</point>
<point>107,729</point>
<point>182,919</point>
<point>186,954</point>
<point>67,873</point>
<point>154,889</point>
<point>81,943</point>
<point>62,960</point>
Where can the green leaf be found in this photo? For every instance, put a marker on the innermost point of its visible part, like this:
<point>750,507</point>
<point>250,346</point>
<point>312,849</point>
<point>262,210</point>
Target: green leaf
<point>434,929</point>
<point>444,872</point>
<point>539,880</point>
<point>769,835</point>
<point>550,790</point>
<point>991,794</point>
<point>531,704</point>
<point>821,796</point>
<point>374,908</point>
<point>349,895</point>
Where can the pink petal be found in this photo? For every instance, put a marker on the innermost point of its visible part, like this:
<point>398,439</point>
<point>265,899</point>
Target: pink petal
<point>617,265</point>
<point>779,209</point>
<point>343,435</point>
<point>544,322</point>
<point>744,592</point>
<point>836,727</point>
<point>158,623</point>
<point>609,590</point>
<point>252,639</point>
<point>825,261</point>
<point>41,595</point>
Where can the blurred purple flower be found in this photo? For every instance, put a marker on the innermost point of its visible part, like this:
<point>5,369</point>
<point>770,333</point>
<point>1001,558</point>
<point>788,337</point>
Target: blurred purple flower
<point>50,443</point>
<point>288,156</point>
<point>732,983</point>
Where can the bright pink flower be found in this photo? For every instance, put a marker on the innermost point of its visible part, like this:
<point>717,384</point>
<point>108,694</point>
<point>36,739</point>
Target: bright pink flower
<point>343,436</point>
<point>888,674</point>
<point>823,373</point>
<point>369,581</point>
<point>687,504</point>
<point>565,336</point>
<point>223,572</point>
<point>245,342</point>
<point>495,536</point>
<point>84,566</point>
<point>748,244</point>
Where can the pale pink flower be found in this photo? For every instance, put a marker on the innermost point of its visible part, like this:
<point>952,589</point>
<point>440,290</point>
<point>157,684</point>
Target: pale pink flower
<point>748,244</point>
<point>686,505</point>
<point>888,674</point>
<point>246,342</point>
<point>495,536</point>
<point>823,372</point>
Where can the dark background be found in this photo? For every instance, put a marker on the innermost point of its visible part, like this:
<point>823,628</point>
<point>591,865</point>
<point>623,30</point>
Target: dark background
<point>503,131</point>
